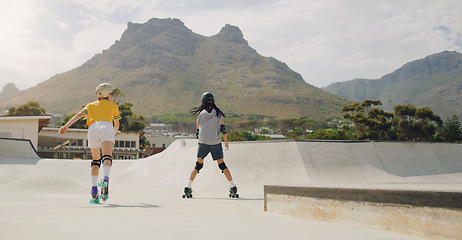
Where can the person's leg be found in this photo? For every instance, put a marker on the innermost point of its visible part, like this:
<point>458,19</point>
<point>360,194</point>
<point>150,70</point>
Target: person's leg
<point>107,148</point>
<point>95,153</point>
<point>195,171</point>
<point>95,165</point>
<point>217,155</point>
<point>224,169</point>
<point>202,152</point>
<point>187,190</point>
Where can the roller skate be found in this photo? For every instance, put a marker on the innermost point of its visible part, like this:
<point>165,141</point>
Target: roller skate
<point>233,192</point>
<point>94,195</point>
<point>104,185</point>
<point>187,192</point>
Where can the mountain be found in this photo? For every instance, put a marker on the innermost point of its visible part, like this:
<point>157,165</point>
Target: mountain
<point>434,81</point>
<point>9,91</point>
<point>161,67</point>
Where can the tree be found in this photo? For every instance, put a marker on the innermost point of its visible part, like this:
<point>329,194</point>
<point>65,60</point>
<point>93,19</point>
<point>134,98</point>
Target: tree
<point>370,121</point>
<point>128,120</point>
<point>234,136</point>
<point>144,142</point>
<point>81,123</point>
<point>327,134</point>
<point>451,130</point>
<point>415,124</point>
<point>29,109</point>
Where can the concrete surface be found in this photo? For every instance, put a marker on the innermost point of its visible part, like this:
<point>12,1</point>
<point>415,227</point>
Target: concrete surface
<point>49,199</point>
<point>433,214</point>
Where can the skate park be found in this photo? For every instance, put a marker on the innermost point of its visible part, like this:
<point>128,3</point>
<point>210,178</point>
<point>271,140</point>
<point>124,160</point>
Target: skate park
<point>288,190</point>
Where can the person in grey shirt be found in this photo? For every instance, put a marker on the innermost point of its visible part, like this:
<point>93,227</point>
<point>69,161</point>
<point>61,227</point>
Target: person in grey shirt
<point>210,123</point>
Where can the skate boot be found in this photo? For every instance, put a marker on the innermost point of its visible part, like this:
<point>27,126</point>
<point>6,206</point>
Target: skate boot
<point>104,184</point>
<point>94,195</point>
<point>187,192</point>
<point>233,192</point>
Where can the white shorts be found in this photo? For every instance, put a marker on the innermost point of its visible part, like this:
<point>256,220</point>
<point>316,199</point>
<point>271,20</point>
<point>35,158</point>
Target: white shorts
<point>99,132</point>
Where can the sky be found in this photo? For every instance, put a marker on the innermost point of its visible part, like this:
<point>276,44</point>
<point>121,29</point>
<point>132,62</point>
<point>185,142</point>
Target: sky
<point>326,41</point>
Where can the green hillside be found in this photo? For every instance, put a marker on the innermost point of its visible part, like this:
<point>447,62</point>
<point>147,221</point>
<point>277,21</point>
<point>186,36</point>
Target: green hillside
<point>434,82</point>
<point>162,67</point>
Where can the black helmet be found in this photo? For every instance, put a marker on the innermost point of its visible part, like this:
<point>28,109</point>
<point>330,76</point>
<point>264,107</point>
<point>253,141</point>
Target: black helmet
<point>207,98</point>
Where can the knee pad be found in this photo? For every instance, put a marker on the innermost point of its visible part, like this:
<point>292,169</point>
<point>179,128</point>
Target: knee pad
<point>96,162</point>
<point>106,158</point>
<point>222,166</point>
<point>198,166</point>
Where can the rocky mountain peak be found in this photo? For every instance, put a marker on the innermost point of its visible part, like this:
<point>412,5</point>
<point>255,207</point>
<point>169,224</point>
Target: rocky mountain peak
<point>10,88</point>
<point>230,33</point>
<point>141,32</point>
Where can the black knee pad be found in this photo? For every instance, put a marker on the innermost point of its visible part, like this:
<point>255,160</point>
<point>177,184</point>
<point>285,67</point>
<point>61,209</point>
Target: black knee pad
<point>222,166</point>
<point>106,158</point>
<point>199,166</point>
<point>96,162</point>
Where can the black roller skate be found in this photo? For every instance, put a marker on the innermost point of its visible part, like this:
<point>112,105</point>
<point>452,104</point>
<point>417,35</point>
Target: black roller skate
<point>187,192</point>
<point>94,195</point>
<point>233,192</point>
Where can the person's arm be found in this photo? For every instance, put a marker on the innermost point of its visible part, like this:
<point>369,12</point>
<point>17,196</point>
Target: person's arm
<point>116,126</point>
<point>74,119</point>
<point>225,137</point>
<point>197,127</point>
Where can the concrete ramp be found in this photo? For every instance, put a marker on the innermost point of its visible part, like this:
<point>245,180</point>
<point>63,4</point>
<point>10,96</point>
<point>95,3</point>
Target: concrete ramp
<point>251,165</point>
<point>17,151</point>
<point>343,162</point>
<point>411,159</point>
<point>305,163</point>
<point>381,162</point>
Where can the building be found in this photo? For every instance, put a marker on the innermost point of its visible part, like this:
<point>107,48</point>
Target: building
<point>158,144</point>
<point>23,127</point>
<point>74,145</point>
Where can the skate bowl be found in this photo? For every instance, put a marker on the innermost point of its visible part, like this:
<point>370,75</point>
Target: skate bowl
<point>433,166</point>
<point>277,180</point>
<point>414,188</point>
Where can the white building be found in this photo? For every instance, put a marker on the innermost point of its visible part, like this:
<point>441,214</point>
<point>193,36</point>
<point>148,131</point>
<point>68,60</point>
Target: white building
<point>74,145</point>
<point>23,127</point>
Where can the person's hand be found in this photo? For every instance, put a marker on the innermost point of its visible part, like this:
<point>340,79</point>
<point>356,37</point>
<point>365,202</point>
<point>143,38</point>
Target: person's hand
<point>226,146</point>
<point>62,130</point>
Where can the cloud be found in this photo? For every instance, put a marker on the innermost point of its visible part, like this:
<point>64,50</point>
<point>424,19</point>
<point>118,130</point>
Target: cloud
<point>63,26</point>
<point>324,41</point>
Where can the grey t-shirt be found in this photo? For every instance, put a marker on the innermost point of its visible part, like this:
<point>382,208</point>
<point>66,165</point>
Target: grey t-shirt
<point>209,124</point>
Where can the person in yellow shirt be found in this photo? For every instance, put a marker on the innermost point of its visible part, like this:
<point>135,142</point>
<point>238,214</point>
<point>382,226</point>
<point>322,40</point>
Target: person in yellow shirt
<point>101,135</point>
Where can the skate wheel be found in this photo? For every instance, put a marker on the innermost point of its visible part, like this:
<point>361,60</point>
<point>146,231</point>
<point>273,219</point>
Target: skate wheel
<point>190,196</point>
<point>99,184</point>
<point>237,195</point>
<point>184,196</point>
